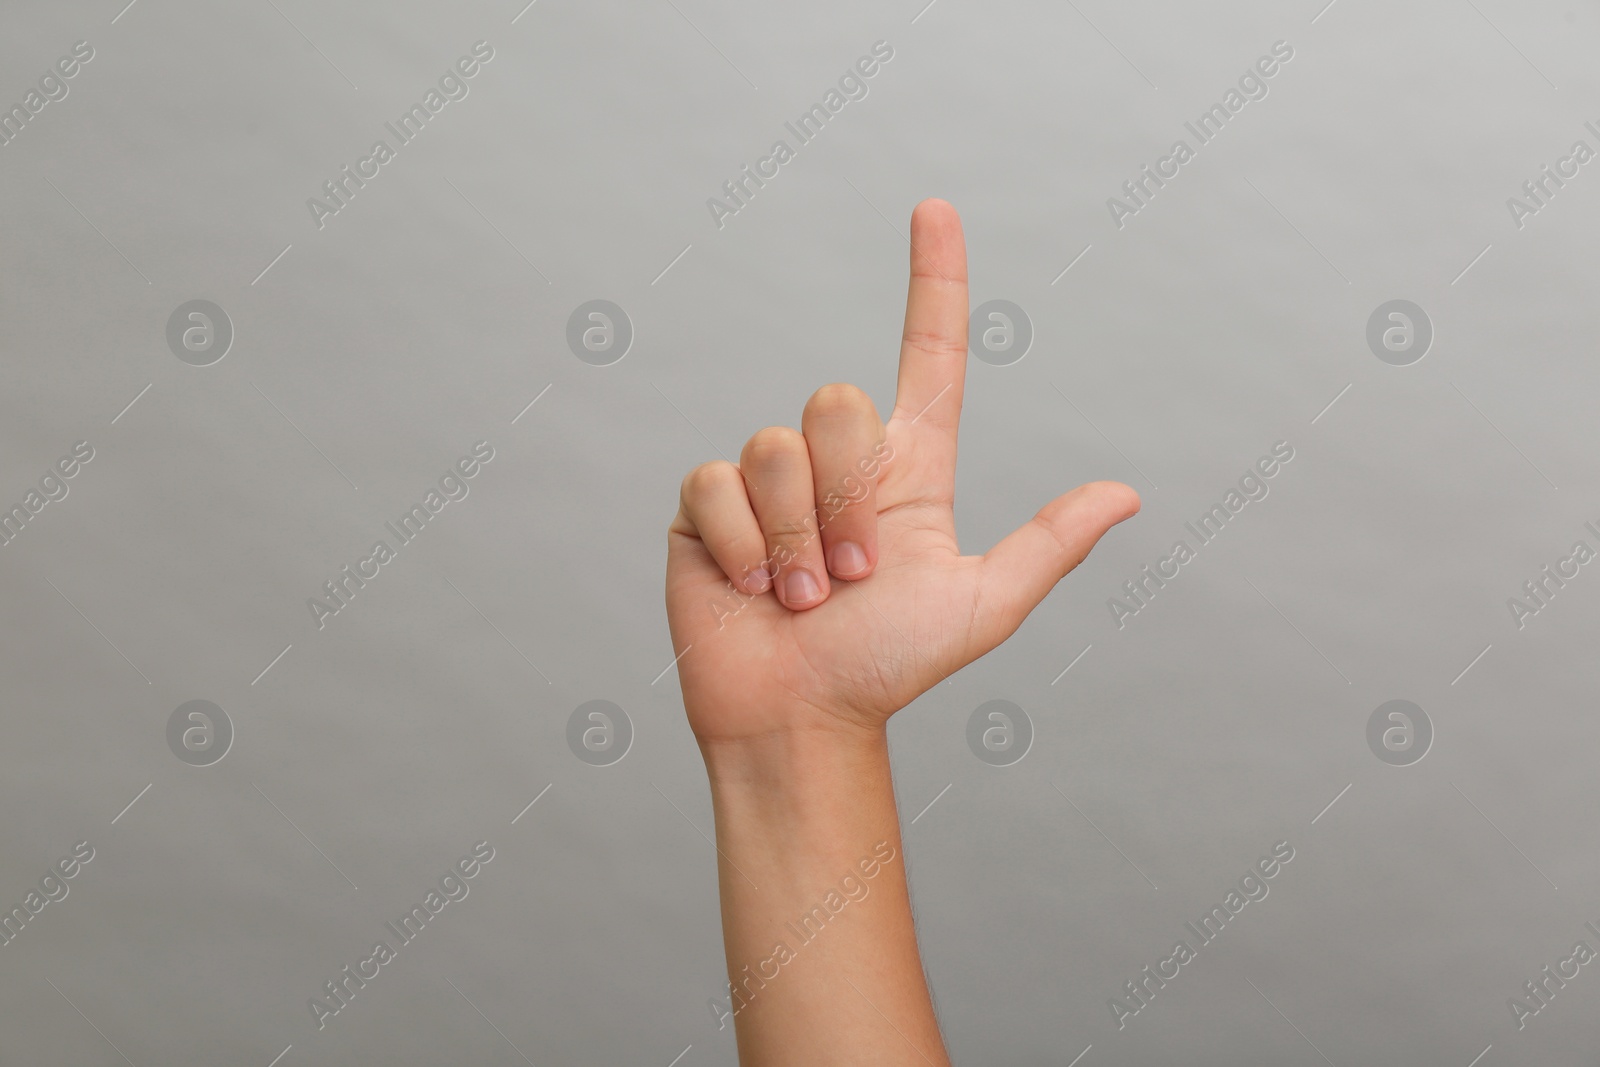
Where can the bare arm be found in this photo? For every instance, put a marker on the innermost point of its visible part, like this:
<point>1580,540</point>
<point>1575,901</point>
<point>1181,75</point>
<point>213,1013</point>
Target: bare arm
<point>817,926</point>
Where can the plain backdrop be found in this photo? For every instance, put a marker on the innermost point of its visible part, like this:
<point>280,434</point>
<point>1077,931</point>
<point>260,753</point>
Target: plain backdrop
<point>372,351</point>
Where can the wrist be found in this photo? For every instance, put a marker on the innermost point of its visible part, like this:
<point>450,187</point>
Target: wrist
<point>795,762</point>
<point>798,810</point>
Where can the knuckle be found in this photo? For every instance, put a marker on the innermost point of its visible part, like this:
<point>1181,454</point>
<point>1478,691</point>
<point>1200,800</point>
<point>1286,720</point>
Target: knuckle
<point>775,446</point>
<point>707,478</point>
<point>790,542</point>
<point>839,399</point>
<point>789,537</point>
<point>934,343</point>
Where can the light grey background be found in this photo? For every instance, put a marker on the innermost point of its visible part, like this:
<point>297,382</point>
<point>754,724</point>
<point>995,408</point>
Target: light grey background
<point>426,715</point>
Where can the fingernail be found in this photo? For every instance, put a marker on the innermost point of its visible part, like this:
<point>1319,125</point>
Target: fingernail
<point>849,559</point>
<point>800,588</point>
<point>758,580</point>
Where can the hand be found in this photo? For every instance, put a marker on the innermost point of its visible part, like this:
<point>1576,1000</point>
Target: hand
<point>849,596</point>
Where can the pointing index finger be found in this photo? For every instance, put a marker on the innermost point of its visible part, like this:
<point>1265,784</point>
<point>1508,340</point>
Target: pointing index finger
<point>933,347</point>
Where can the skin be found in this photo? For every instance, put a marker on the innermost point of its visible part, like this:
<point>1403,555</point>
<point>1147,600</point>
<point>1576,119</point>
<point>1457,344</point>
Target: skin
<point>813,590</point>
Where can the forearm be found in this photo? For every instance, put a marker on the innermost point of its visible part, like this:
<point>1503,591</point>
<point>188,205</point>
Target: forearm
<point>821,950</point>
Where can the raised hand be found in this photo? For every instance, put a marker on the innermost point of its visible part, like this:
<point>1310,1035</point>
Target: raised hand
<point>817,585</point>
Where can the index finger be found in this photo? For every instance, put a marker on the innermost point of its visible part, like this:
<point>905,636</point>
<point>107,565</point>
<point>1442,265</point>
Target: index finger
<point>933,346</point>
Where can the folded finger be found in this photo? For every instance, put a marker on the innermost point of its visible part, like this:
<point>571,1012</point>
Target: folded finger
<point>843,436</point>
<point>714,503</point>
<point>784,501</point>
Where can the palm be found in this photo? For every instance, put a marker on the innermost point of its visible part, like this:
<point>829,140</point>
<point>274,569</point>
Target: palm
<point>869,649</point>
<point>751,665</point>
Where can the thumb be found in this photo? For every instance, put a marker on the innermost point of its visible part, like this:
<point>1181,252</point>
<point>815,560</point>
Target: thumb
<point>1021,570</point>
